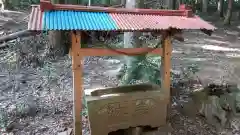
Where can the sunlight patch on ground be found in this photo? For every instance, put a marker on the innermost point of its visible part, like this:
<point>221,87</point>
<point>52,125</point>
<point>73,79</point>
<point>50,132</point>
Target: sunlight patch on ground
<point>11,11</point>
<point>216,36</point>
<point>196,32</point>
<point>216,41</point>
<point>196,59</point>
<point>233,55</point>
<point>114,72</point>
<point>234,33</point>
<point>219,48</point>
<point>192,40</point>
<point>176,51</point>
<point>113,61</point>
<point>193,45</point>
<point>110,95</point>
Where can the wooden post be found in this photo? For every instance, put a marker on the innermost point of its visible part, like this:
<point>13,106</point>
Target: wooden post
<point>77,82</point>
<point>166,67</point>
<point>166,64</point>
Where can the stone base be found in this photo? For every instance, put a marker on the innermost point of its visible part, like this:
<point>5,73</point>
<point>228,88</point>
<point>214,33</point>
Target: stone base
<point>123,107</point>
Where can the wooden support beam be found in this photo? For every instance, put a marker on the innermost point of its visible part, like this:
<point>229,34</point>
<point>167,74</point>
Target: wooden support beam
<point>77,68</point>
<point>166,67</point>
<point>109,52</point>
<point>166,64</point>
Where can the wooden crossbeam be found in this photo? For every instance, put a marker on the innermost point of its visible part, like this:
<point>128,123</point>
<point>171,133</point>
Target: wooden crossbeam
<point>109,52</point>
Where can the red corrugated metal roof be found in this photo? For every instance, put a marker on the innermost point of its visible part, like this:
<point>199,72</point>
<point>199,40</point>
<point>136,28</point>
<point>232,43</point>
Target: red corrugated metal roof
<point>35,21</point>
<point>131,21</point>
<point>124,19</point>
<point>155,22</point>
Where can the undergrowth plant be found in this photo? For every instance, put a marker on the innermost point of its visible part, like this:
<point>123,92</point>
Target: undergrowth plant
<point>20,4</point>
<point>147,68</point>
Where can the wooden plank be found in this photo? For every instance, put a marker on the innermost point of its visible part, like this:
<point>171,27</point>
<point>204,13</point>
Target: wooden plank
<point>77,82</point>
<point>109,52</point>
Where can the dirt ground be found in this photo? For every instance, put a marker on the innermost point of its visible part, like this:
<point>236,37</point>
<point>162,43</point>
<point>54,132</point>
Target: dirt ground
<point>44,95</point>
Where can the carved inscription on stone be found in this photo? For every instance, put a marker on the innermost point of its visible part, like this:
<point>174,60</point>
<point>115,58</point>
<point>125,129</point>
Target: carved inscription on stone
<point>114,109</point>
<point>124,110</point>
<point>143,106</point>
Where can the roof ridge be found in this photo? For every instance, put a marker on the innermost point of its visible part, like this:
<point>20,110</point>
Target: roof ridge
<point>183,10</point>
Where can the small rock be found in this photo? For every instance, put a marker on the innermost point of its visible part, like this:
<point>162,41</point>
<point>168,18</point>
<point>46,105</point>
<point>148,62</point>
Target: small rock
<point>63,133</point>
<point>15,126</point>
<point>68,132</point>
<point>12,108</point>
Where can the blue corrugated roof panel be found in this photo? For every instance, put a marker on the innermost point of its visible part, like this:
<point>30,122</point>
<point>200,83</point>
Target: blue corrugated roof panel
<point>77,20</point>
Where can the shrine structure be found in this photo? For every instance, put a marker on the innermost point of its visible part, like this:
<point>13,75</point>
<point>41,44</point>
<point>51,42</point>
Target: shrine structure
<point>77,18</point>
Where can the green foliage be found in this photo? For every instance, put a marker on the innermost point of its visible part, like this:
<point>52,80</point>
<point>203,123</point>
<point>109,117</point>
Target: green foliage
<point>147,68</point>
<point>189,71</point>
<point>85,108</point>
<point>22,109</point>
<point>49,69</point>
<point>143,68</point>
<point>234,99</point>
<point>3,118</point>
<point>238,102</point>
<point>20,4</point>
<point>70,1</point>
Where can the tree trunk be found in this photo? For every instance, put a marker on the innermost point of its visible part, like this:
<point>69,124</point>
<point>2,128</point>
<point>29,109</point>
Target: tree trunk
<point>123,2</point>
<point>7,4</point>
<point>228,16</point>
<point>238,9</point>
<point>107,2</point>
<point>23,33</point>
<point>55,40</point>
<point>220,8</point>
<point>204,6</point>
<point>180,1</point>
<point>170,4</point>
<point>57,45</point>
<point>174,4</point>
<point>131,39</point>
<point>198,6</point>
<point>239,14</point>
<point>128,36</point>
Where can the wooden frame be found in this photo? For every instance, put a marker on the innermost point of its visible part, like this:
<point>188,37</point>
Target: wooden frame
<point>77,56</point>
<point>108,52</point>
<point>77,52</point>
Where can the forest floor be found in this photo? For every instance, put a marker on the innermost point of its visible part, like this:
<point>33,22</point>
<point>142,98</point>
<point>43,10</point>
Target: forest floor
<point>38,100</point>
